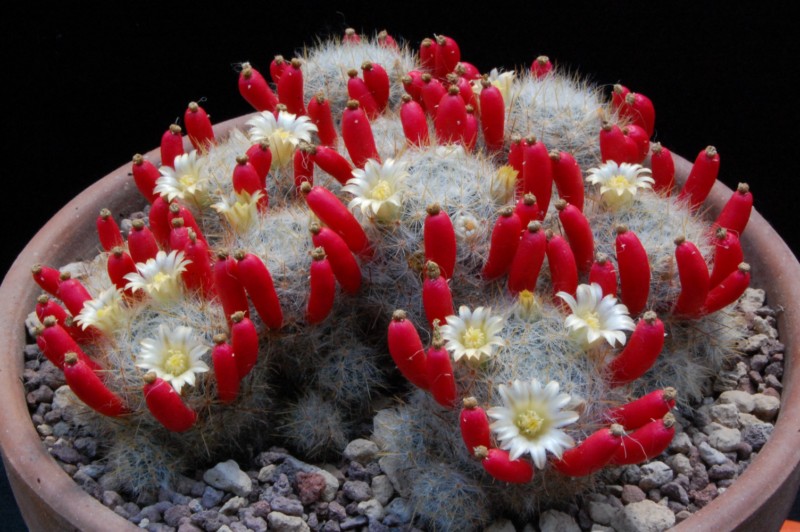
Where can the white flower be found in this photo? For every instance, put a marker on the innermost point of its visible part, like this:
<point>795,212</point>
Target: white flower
<point>159,277</point>
<point>504,183</point>
<point>595,317</point>
<point>473,333</point>
<point>466,226</point>
<point>283,133</point>
<point>504,82</point>
<point>184,181</point>
<point>528,306</point>
<point>104,312</point>
<point>174,356</point>
<point>531,419</point>
<point>619,183</point>
<point>377,189</point>
<point>240,209</point>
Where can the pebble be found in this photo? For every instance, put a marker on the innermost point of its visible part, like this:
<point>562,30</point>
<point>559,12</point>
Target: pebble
<point>766,406</point>
<point>654,475</point>
<point>361,451</point>
<point>675,492</point>
<point>711,456</point>
<point>372,509</point>
<point>681,443</point>
<point>704,496</point>
<point>555,521</point>
<point>382,489</point>
<point>631,493</point>
<point>757,434</point>
<point>286,506</point>
<point>357,490</point>
<point>286,523</point>
<point>602,512</point>
<point>726,414</point>
<point>211,497</point>
<point>644,516</point>
<point>722,438</point>
<point>743,400</point>
<point>680,464</point>
<point>227,476</point>
<point>501,525</point>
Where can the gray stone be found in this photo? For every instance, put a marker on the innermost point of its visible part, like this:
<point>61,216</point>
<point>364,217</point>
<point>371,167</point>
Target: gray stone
<point>111,498</point>
<point>724,439</point>
<point>644,516</point>
<point>331,482</point>
<point>286,523</point>
<point>233,505</point>
<point>287,506</point>
<point>372,509</point>
<point>632,493</point>
<point>602,512</point>
<point>757,434</point>
<point>724,471</point>
<point>752,344</point>
<point>555,521</point>
<point>357,490</point>
<point>227,476</point>
<point>399,510</point>
<point>64,398</point>
<point>256,524</point>
<point>711,456</point>
<point>267,473</point>
<point>394,466</point>
<point>173,516</point>
<point>675,492</point>
<point>752,300</point>
<point>681,443</point>
<point>211,497</point>
<point>361,450</point>
<point>654,475</point>
<point>743,400</point>
<point>726,414</point>
<point>382,489</point>
<point>354,522</point>
<point>501,525</point>
<point>631,474</point>
<point>680,464</point>
<point>188,527</point>
<point>766,406</point>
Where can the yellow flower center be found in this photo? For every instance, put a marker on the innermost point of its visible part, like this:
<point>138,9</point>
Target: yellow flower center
<point>177,362</point>
<point>529,423</point>
<point>592,320</point>
<point>188,180</point>
<point>381,191</point>
<point>474,338</point>
<point>618,183</point>
<point>160,279</point>
<point>101,312</point>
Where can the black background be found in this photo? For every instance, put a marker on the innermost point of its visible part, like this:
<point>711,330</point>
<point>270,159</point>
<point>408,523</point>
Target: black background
<point>89,88</point>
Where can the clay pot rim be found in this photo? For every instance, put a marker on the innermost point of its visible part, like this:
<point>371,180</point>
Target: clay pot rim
<point>40,483</point>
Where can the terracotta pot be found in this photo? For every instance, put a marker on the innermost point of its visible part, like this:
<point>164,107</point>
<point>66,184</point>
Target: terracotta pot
<point>50,500</point>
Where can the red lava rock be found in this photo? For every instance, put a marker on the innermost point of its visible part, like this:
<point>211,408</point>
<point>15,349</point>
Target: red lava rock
<point>310,487</point>
<point>704,496</point>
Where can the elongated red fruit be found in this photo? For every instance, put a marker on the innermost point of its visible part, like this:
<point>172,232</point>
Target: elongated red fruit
<point>145,175</point>
<point>693,273</point>
<point>387,41</point>
<point>440,374</point>
<point>436,297</point>
<point>503,246</point>
<point>439,238</point>
<point>563,268</point>
<point>255,89</point>
<point>634,270</point>
<point>618,95</point>
<point>592,454</point>
<point>198,127</point>
<point>447,56</point>
<point>541,66</point>
<point>579,234</point>
<point>537,173</point>
<point>451,117</point>
<point>415,124</point>
<point>141,242</point>
<point>344,264</point>
<point>159,222</point>
<point>179,236</point>
<point>736,212</point>
<point>464,89</point>
<point>45,306</point>
<point>639,109</point>
<point>727,255</point>
<point>171,145</point>
<point>290,88</point>
<point>516,159</point>
<point>615,146</point>
<point>90,389</point>
<point>728,290</point>
<point>568,178</point>
<point>357,135</point>
<point>474,425</point>
<point>471,129</point>
<point>603,273</point>
<point>120,264</point>
<point>319,111</point>
<point>258,284</point>
<point>527,210</point>
<point>335,215</point>
<point>358,90</point>
<point>412,83</point>
<point>663,167</point>
<point>303,165</point>
<point>56,342</point>
<point>198,275</point>
<point>654,405</point>
<point>468,71</point>
<point>177,210</point>
<point>47,278</point>
<point>72,293</point>
<point>427,54</point>
<point>642,350</point>
<point>166,404</point>
<point>247,179</point>
<point>260,156</point>
<point>351,37</point>
<point>377,81</point>
<point>322,288</point>
<point>528,259</point>
<point>640,139</point>
<point>432,93</point>
<point>646,442</point>
<point>498,463</point>
<point>701,178</point>
<point>493,115</point>
<point>276,68</point>
<point>244,340</point>
<point>226,370</point>
<point>228,287</point>
<point>332,162</point>
<point>406,350</point>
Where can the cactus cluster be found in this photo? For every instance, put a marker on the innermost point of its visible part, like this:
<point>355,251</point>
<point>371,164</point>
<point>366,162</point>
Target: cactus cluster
<point>381,202</point>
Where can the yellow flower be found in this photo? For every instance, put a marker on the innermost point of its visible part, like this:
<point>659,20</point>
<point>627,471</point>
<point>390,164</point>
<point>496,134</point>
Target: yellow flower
<point>241,209</point>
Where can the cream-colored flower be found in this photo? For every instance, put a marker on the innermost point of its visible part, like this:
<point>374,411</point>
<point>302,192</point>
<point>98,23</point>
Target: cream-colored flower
<point>377,189</point>
<point>466,226</point>
<point>595,317</point>
<point>620,182</point>
<point>185,181</point>
<point>159,277</point>
<point>473,333</point>
<point>531,419</point>
<point>504,183</point>
<point>240,209</point>
<point>174,356</point>
<point>283,133</point>
<point>528,306</point>
<point>105,312</point>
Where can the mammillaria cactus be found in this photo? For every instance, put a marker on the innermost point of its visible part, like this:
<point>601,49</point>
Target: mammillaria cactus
<point>434,225</point>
